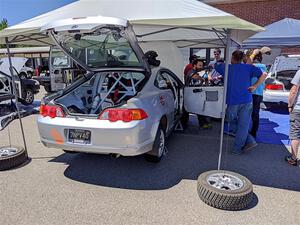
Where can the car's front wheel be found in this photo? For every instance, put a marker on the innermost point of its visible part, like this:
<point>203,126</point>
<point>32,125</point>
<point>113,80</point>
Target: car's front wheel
<point>29,75</point>
<point>159,147</point>
<point>28,97</point>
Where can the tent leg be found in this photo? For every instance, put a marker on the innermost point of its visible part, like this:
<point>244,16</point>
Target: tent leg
<point>227,58</point>
<point>15,93</point>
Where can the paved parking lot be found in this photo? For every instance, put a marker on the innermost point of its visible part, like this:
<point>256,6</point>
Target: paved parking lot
<point>59,188</point>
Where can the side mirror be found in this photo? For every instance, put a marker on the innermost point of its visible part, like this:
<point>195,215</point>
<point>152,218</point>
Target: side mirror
<point>162,84</point>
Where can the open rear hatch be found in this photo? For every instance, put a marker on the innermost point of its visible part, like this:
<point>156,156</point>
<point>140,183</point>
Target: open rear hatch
<point>5,76</point>
<point>108,50</point>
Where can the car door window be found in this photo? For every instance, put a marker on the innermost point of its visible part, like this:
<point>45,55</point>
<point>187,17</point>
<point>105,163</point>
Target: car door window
<point>161,77</point>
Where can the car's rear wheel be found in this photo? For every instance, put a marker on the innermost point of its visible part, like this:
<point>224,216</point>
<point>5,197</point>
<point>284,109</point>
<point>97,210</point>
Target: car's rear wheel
<point>159,148</point>
<point>11,156</point>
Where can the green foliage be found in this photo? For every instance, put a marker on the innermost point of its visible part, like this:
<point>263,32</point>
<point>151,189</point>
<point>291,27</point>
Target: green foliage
<point>3,24</point>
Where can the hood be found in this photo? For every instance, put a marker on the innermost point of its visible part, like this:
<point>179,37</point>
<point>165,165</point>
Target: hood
<point>17,62</point>
<point>283,63</point>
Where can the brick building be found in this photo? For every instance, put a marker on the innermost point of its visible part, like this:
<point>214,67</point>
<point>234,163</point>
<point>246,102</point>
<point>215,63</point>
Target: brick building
<point>261,12</point>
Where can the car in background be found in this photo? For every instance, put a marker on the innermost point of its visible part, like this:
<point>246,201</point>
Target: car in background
<point>26,72</point>
<point>278,81</point>
<point>25,88</point>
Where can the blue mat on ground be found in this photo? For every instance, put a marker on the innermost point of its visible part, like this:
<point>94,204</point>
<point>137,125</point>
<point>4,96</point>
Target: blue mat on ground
<point>274,126</point>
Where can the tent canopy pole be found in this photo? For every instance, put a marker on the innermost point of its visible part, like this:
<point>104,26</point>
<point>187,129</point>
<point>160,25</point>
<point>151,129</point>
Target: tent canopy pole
<point>15,93</point>
<point>227,58</point>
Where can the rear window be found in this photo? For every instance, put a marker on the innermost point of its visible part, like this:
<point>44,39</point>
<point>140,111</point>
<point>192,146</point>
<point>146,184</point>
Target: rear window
<point>107,48</point>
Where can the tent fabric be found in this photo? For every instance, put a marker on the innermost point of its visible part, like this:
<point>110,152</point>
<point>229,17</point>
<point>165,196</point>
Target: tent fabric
<point>283,33</point>
<point>146,16</point>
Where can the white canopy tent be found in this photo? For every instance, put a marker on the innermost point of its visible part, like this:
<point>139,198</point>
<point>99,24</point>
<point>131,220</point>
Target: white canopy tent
<point>147,16</point>
<point>177,23</point>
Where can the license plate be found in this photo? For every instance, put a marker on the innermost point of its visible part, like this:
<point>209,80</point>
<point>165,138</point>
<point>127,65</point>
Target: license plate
<point>79,136</point>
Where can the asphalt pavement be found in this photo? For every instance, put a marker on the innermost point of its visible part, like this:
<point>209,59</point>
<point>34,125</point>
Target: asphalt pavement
<point>60,188</point>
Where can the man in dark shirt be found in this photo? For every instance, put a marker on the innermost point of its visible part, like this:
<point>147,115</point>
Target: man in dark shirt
<point>189,66</point>
<point>192,76</point>
<point>239,99</point>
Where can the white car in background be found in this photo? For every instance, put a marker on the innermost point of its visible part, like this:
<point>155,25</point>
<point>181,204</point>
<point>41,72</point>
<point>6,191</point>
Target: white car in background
<point>278,81</point>
<point>26,72</point>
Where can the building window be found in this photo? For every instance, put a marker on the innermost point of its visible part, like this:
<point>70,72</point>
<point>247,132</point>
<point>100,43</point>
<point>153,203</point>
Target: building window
<point>206,54</point>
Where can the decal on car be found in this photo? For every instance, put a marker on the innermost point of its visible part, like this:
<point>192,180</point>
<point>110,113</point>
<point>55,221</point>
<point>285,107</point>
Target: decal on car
<point>162,100</point>
<point>56,136</point>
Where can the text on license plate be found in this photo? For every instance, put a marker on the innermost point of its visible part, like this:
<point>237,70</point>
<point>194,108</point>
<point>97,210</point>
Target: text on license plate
<point>79,136</point>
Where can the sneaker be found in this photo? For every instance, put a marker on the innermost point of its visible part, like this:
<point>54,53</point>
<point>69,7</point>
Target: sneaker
<point>290,160</point>
<point>249,146</point>
<point>230,133</point>
<point>207,126</point>
<point>236,152</point>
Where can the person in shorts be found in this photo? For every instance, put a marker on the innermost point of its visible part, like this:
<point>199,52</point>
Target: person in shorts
<point>294,110</point>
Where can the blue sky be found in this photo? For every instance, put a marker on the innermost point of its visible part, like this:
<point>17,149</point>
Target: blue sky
<point>16,11</point>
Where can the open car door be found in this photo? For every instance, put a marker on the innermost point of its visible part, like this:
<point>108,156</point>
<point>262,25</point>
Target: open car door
<point>204,100</point>
<point>6,91</point>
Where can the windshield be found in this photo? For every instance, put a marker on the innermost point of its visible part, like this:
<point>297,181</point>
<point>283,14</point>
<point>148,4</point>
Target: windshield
<point>59,59</point>
<point>106,47</point>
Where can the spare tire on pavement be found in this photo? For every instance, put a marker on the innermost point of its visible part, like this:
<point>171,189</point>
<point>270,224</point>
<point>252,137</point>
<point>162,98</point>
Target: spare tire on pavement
<point>12,156</point>
<point>225,190</point>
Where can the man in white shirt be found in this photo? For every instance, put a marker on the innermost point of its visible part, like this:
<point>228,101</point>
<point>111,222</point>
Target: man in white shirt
<point>294,110</point>
<point>217,54</point>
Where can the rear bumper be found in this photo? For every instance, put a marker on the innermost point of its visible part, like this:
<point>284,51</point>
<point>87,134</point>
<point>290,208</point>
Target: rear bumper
<point>127,139</point>
<point>137,149</point>
<point>276,96</point>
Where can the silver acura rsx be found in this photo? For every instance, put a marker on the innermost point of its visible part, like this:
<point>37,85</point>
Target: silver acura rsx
<point>120,104</point>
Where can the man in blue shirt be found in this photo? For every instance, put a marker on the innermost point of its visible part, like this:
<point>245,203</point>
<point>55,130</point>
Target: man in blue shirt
<point>239,99</point>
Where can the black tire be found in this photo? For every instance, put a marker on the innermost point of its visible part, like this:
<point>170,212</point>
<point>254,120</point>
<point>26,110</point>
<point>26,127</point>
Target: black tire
<point>29,75</point>
<point>14,160</point>
<point>224,198</point>
<point>28,97</point>
<point>23,75</point>
<point>158,149</point>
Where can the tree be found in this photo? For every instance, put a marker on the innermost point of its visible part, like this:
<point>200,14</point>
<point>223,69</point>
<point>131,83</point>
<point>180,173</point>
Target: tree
<point>3,25</point>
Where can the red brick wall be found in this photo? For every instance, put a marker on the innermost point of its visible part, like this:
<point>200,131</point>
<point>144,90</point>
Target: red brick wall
<point>263,12</point>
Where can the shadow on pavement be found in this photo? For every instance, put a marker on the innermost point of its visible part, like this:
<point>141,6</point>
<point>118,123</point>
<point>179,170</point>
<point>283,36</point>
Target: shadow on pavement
<point>267,133</point>
<point>189,155</point>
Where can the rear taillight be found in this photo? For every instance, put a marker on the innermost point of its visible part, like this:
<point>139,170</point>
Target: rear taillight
<point>274,87</point>
<point>125,115</point>
<point>51,111</point>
